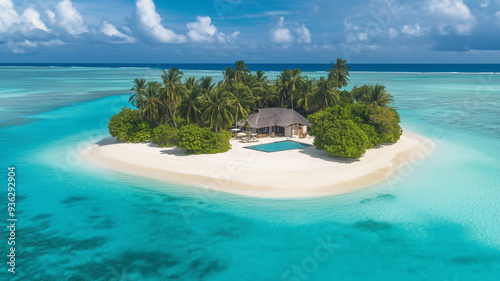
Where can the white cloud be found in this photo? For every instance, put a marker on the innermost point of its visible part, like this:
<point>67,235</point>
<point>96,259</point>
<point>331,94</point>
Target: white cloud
<point>11,22</point>
<point>355,33</point>
<point>453,14</point>
<point>347,24</point>
<point>110,30</point>
<point>393,33</point>
<point>21,32</point>
<point>8,15</point>
<point>497,14</point>
<point>28,43</point>
<point>33,17</point>
<point>362,36</point>
<point>223,38</point>
<point>19,47</point>
<point>54,42</point>
<point>454,8</point>
<point>412,30</point>
<point>303,34</point>
<point>282,34</point>
<point>69,18</point>
<point>51,16</point>
<point>150,22</point>
<point>485,4</point>
<point>201,30</point>
<point>350,38</point>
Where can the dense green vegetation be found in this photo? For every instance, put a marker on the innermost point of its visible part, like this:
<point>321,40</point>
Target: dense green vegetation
<point>164,135</point>
<point>348,130</point>
<point>196,139</point>
<point>195,114</point>
<point>128,125</point>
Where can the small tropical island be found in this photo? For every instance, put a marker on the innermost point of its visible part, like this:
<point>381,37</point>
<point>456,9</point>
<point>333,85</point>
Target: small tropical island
<point>247,134</point>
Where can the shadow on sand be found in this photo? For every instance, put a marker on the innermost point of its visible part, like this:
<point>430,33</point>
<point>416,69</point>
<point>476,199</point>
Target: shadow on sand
<point>323,155</point>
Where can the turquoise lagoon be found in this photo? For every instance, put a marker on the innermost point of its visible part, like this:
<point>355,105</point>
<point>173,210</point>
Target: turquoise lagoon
<point>439,219</point>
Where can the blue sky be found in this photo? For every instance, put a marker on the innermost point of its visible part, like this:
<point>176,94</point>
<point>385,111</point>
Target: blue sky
<point>316,31</point>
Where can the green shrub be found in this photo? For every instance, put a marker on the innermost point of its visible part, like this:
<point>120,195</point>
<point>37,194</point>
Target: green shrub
<point>322,120</point>
<point>360,92</point>
<point>371,134</point>
<point>386,122</point>
<point>223,143</point>
<point>180,122</point>
<point>164,135</point>
<point>361,111</point>
<point>128,126</point>
<point>343,138</point>
<point>341,132</point>
<point>199,140</point>
<point>345,98</point>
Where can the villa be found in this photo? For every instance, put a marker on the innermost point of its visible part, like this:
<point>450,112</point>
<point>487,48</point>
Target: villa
<point>278,121</point>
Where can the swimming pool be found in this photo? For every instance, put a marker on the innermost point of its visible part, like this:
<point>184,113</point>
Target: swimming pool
<point>278,146</point>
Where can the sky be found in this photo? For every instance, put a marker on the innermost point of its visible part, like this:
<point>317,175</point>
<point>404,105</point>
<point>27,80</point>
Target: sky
<point>211,31</point>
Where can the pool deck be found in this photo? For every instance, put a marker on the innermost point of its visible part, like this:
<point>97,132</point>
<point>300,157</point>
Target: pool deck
<point>297,173</point>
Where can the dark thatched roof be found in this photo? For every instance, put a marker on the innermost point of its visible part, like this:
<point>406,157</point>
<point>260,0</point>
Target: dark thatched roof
<point>282,117</point>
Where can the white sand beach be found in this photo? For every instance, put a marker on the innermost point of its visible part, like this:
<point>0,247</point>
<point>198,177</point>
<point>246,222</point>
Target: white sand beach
<point>298,173</point>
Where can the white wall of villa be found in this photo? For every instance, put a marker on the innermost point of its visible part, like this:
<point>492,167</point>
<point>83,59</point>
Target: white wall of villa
<point>290,131</point>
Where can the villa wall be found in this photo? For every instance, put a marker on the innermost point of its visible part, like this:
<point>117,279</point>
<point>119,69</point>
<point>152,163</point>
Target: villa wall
<point>288,130</point>
<point>296,128</point>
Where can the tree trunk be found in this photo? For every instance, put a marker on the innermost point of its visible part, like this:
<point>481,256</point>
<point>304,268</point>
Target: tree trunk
<point>236,120</point>
<point>172,117</point>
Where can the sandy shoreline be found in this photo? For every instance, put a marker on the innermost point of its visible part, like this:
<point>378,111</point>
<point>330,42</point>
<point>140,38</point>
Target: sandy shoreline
<point>295,173</point>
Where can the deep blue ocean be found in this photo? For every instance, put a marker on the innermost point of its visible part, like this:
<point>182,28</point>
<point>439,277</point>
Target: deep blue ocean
<point>437,219</point>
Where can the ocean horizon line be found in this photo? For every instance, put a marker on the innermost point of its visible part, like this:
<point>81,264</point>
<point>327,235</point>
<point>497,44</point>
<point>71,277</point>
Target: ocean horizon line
<point>483,68</point>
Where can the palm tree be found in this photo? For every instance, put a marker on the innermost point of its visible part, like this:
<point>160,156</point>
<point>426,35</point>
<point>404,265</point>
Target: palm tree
<point>190,83</point>
<point>207,85</point>
<point>243,101</point>
<point>192,105</point>
<point>296,80</point>
<point>152,106</point>
<point>377,96</point>
<point>339,73</point>
<point>218,109</point>
<point>137,99</point>
<point>325,94</point>
<point>261,76</point>
<point>255,84</point>
<point>304,95</point>
<point>172,92</point>
<point>228,76</point>
<point>283,85</point>
<point>241,69</point>
<point>268,97</point>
